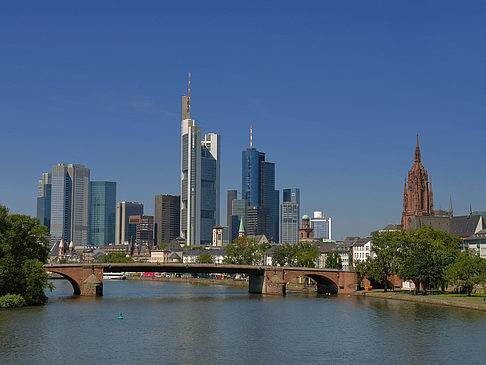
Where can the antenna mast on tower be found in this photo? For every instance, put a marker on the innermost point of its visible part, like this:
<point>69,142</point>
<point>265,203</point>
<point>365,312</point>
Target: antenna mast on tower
<point>189,96</point>
<point>251,135</point>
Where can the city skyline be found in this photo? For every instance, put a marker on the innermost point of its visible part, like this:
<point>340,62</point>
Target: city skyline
<point>337,107</point>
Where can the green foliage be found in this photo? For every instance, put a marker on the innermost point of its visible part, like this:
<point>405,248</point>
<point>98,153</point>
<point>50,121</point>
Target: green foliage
<point>306,254</point>
<point>333,261</point>
<point>162,246</point>
<point>116,257</point>
<point>12,301</point>
<point>386,247</point>
<point>360,269</point>
<point>469,269</point>
<point>205,259</point>
<point>23,251</point>
<point>245,251</point>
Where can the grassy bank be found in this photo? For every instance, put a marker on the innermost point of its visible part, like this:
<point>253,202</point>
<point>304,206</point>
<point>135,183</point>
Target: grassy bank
<point>476,302</point>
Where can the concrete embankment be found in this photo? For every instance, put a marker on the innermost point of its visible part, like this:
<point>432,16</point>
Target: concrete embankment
<point>430,299</point>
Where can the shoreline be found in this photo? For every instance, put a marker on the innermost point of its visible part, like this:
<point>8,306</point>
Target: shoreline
<point>428,299</point>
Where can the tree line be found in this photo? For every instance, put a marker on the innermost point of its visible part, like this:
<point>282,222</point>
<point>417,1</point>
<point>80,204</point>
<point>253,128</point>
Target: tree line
<point>430,258</point>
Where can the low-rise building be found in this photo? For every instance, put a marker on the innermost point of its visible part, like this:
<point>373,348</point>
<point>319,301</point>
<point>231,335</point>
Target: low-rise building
<point>192,256</point>
<point>476,242</point>
<point>361,248</point>
<point>160,256</point>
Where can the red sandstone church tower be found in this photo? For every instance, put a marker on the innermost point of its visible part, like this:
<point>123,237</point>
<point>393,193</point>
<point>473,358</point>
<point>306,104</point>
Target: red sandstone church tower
<point>417,196</point>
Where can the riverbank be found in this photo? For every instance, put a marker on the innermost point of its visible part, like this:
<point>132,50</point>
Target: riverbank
<point>460,302</point>
<point>226,282</point>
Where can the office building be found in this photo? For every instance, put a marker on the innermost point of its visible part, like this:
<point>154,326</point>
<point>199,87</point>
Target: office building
<point>102,212</point>
<point>44,200</point>
<point>167,218</point>
<point>258,189</point>
<point>200,183</point>
<point>289,222</point>
<point>70,204</point>
<point>321,225</point>
<point>144,229</point>
<point>230,196</point>
<point>292,195</point>
<point>125,234</point>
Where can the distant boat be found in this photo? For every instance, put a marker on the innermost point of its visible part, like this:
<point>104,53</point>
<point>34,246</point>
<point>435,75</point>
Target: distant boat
<point>114,276</point>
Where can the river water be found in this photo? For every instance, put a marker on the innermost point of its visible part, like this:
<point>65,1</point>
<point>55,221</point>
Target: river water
<point>179,323</point>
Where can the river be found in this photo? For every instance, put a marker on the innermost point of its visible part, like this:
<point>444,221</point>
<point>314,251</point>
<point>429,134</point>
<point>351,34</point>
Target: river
<point>180,323</point>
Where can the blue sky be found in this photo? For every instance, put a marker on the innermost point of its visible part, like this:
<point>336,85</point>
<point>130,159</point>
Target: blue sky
<point>336,93</point>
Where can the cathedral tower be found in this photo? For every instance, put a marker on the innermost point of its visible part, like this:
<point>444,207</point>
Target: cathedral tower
<point>417,196</point>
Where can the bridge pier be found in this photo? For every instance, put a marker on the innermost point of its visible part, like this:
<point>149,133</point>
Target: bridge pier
<point>269,282</point>
<point>85,279</point>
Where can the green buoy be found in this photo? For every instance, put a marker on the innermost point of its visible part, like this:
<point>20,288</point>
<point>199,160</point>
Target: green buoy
<point>120,316</point>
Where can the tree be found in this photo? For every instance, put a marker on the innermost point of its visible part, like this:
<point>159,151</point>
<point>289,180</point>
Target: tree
<point>333,261</point>
<point>23,251</point>
<point>468,270</point>
<point>118,257</point>
<point>284,255</point>
<point>205,259</point>
<point>306,254</point>
<point>245,251</point>
<point>425,254</point>
<point>360,268</point>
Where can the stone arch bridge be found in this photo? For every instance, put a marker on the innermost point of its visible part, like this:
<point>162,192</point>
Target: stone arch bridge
<point>87,279</point>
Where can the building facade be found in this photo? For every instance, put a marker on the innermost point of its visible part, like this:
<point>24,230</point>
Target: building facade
<point>125,234</point>
<point>289,222</point>
<point>306,232</point>
<point>167,218</point>
<point>102,212</point>
<point>321,225</point>
<point>258,189</point>
<point>44,200</point>
<point>230,196</point>
<point>417,194</point>
<point>70,204</point>
<point>144,229</point>
<point>200,184</point>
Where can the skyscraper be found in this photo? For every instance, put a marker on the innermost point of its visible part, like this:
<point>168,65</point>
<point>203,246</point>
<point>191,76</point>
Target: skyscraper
<point>167,218</point>
<point>102,212</point>
<point>44,199</point>
<point>124,233</point>
<point>258,189</point>
<point>230,196</point>
<point>292,195</point>
<point>289,224</point>
<point>70,203</point>
<point>239,214</point>
<point>199,179</point>
<point>144,229</point>
<point>321,225</point>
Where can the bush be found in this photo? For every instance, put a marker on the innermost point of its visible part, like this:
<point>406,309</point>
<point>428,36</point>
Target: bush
<point>12,301</point>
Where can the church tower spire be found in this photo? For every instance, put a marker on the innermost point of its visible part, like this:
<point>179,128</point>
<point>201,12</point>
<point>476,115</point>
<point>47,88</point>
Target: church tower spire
<point>417,193</point>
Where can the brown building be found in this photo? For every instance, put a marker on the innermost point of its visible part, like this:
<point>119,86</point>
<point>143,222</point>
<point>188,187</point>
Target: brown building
<point>144,229</point>
<point>417,194</point>
<point>306,231</point>
<point>167,218</point>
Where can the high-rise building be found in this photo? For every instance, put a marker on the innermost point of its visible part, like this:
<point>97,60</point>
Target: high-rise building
<point>144,229</point>
<point>199,179</point>
<point>125,234</point>
<point>230,196</point>
<point>289,224</point>
<point>167,218</point>
<point>239,213</point>
<point>321,225</point>
<point>70,204</point>
<point>292,195</point>
<point>44,199</point>
<point>258,188</point>
<point>417,196</point>
<point>102,212</point>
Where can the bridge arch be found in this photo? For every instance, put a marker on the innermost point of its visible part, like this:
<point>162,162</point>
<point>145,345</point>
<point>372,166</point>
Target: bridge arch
<point>326,282</point>
<point>74,283</point>
<point>85,279</point>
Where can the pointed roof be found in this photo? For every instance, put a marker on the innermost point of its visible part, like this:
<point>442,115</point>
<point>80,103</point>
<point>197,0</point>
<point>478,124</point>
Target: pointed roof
<point>242,227</point>
<point>417,152</point>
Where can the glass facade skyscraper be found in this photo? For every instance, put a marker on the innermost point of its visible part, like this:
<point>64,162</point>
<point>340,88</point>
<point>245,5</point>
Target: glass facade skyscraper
<point>289,225</point>
<point>258,189</point>
<point>70,204</point>
<point>322,226</point>
<point>124,233</point>
<point>44,200</point>
<point>102,212</point>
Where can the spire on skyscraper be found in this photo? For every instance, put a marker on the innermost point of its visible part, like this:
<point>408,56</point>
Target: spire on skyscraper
<point>251,135</point>
<point>189,96</point>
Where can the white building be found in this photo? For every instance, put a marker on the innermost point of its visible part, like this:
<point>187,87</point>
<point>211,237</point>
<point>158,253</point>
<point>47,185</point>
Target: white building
<point>321,225</point>
<point>362,249</point>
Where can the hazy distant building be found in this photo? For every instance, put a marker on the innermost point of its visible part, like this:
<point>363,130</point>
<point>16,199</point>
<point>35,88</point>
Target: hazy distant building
<point>102,212</point>
<point>230,196</point>
<point>289,222</point>
<point>124,233</point>
<point>44,199</point>
<point>292,195</point>
<point>167,218</point>
<point>321,225</point>
<point>200,182</point>
<point>70,204</point>
<point>258,188</point>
